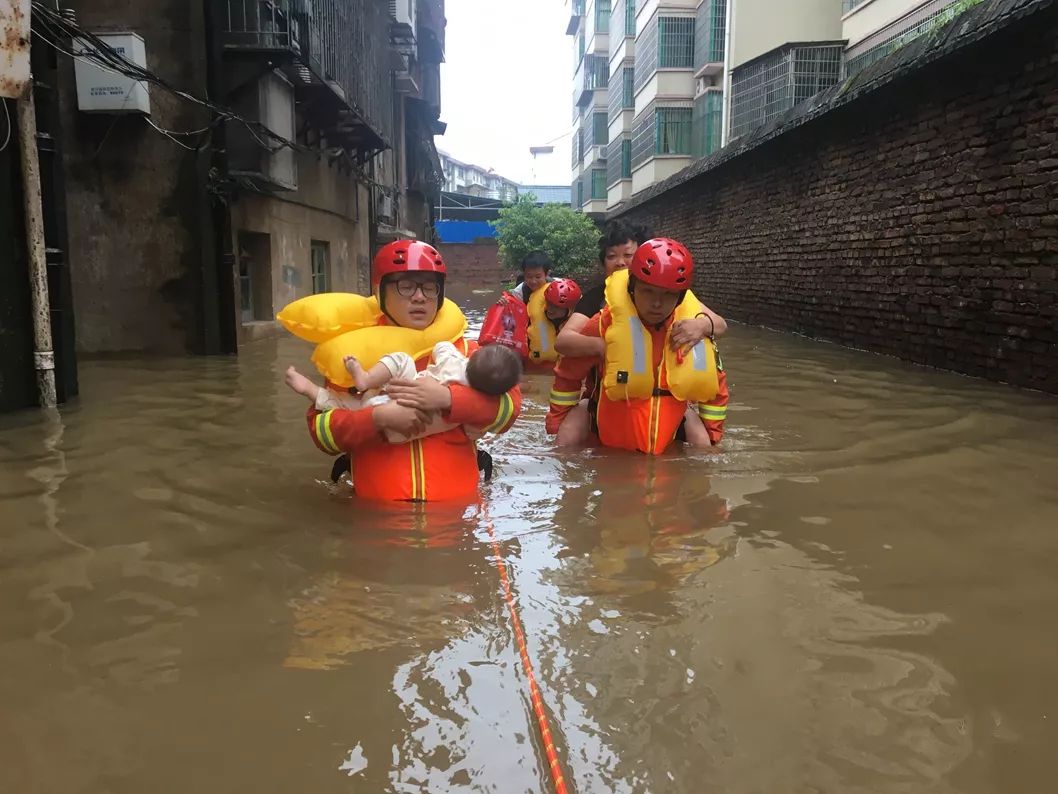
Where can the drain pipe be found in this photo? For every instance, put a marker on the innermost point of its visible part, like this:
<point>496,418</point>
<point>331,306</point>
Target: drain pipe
<point>43,353</point>
<point>725,116</point>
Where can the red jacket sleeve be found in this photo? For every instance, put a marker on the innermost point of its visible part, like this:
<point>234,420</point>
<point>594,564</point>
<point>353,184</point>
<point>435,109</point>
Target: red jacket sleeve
<point>341,430</point>
<point>714,413</point>
<point>570,374</point>
<point>491,414</point>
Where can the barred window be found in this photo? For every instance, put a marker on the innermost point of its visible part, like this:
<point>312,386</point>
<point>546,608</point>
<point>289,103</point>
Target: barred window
<point>675,43</point>
<point>601,131</point>
<point>628,87</point>
<point>673,131</point>
<point>598,183</point>
<point>602,16</point>
<point>626,158</point>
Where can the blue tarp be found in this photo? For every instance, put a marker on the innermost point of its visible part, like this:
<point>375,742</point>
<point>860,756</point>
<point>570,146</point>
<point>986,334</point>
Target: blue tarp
<point>463,231</point>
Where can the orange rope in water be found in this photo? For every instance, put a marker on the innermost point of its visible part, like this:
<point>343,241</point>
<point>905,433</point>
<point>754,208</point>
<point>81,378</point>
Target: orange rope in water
<point>554,767</point>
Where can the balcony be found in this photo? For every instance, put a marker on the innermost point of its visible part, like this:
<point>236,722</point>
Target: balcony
<point>335,55</point>
<point>593,74</point>
<point>268,26</point>
<point>576,13</point>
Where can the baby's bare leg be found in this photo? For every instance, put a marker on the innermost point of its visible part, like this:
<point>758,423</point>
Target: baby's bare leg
<point>697,435</point>
<point>575,427</point>
<point>300,384</point>
<point>366,379</point>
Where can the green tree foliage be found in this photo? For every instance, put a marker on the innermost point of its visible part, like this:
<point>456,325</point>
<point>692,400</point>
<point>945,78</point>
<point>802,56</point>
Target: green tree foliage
<point>569,238</point>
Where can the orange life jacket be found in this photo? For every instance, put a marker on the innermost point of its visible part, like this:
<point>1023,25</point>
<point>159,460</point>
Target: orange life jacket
<point>436,468</point>
<point>648,425</point>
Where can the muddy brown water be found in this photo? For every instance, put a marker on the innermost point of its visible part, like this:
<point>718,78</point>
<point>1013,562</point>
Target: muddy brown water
<point>859,594</point>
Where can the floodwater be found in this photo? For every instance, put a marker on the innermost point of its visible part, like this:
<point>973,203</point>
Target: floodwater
<point>859,594</point>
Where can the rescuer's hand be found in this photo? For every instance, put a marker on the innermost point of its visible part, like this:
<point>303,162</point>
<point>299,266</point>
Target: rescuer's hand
<point>425,394</point>
<point>400,419</point>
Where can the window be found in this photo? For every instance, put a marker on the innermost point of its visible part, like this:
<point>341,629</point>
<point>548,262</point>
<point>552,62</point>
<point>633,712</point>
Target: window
<point>630,18</point>
<point>672,132</point>
<point>602,16</point>
<point>628,90</point>
<point>321,267</point>
<point>580,192</point>
<point>601,130</point>
<point>675,43</point>
<point>598,183</point>
<point>626,158</point>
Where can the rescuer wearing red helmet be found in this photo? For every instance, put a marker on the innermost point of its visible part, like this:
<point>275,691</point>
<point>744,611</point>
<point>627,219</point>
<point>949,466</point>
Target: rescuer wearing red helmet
<point>408,278</point>
<point>549,307</point>
<point>647,381</point>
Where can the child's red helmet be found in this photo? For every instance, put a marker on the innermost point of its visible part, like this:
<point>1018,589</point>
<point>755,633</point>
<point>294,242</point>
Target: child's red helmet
<point>663,263</point>
<point>563,293</point>
<point>406,256</point>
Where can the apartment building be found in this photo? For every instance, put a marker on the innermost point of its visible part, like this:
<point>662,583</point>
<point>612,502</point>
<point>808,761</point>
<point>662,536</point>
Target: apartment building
<point>647,93</point>
<point>874,28</point>
<point>476,180</point>
<point>660,83</point>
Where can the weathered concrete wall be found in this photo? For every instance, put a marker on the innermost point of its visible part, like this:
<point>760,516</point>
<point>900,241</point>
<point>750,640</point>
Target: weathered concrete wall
<point>135,199</point>
<point>330,206</point>
<point>474,264</point>
<point>918,220</point>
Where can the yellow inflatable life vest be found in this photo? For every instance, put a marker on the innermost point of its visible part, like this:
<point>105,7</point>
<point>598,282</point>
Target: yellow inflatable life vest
<point>630,365</point>
<point>542,331</point>
<point>347,325</point>
<point>317,318</point>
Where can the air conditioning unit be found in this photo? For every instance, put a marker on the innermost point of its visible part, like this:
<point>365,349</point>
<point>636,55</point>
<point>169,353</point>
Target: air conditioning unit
<point>272,105</point>
<point>384,206</point>
<point>402,12</point>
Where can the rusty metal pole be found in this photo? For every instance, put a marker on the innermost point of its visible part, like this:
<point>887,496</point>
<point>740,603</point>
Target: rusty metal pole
<point>43,353</point>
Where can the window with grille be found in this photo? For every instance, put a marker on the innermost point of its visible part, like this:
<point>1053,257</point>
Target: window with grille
<point>675,43</point>
<point>598,183</point>
<point>626,158</point>
<point>708,112</point>
<point>628,87</point>
<point>643,137</point>
<point>602,16</point>
<point>630,18</point>
<point>709,31</point>
<point>601,129</point>
<point>672,131</point>
<point>580,192</point>
<point>321,267</point>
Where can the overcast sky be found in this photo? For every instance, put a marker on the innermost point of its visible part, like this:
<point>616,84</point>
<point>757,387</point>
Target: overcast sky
<point>506,85</point>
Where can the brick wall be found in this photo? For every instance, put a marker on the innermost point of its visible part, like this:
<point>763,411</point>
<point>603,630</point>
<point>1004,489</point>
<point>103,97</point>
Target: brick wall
<point>919,220</point>
<point>474,264</point>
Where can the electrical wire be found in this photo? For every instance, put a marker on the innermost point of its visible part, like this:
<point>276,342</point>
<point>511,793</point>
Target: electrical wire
<point>7,116</point>
<point>52,27</point>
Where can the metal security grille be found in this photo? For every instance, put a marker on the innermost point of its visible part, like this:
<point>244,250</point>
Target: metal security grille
<point>672,131</point>
<point>708,115</point>
<point>630,19</point>
<point>675,43</point>
<point>769,86</point>
<point>601,126</point>
<point>896,35</point>
<point>626,158</point>
<point>623,96</point>
<point>646,53</point>
<point>613,161</point>
<point>709,32</point>
<point>643,137</point>
<point>602,16</point>
<point>598,184</point>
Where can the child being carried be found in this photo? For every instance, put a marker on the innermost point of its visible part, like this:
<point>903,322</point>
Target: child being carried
<point>491,370</point>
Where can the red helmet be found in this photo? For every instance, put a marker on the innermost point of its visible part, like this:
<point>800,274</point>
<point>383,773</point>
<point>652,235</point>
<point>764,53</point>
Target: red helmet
<point>663,263</point>
<point>563,293</point>
<point>406,256</point>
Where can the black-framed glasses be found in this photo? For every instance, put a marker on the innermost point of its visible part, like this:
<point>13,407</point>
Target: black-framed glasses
<point>406,288</point>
